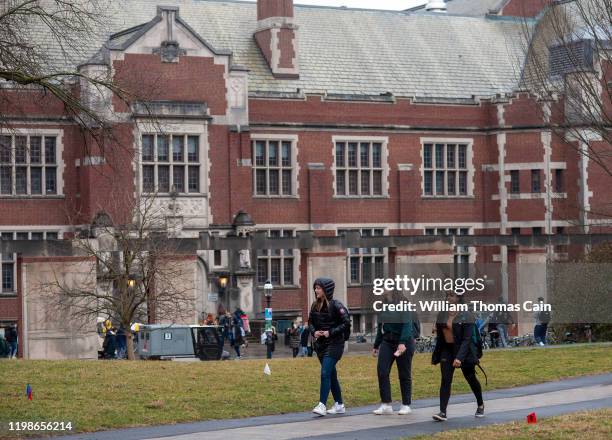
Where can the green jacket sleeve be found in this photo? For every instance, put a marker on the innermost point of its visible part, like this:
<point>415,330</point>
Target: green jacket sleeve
<point>406,334</point>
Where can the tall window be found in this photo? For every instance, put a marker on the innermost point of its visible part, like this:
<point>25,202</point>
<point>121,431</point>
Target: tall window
<point>276,265</point>
<point>171,163</point>
<point>445,169</point>
<point>535,181</point>
<point>559,184</point>
<point>359,168</point>
<point>28,165</point>
<point>273,167</point>
<point>515,183</point>
<point>365,264</point>
<point>8,273</point>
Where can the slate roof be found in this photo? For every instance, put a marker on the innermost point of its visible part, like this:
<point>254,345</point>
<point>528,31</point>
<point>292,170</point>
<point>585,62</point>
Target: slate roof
<point>347,51</point>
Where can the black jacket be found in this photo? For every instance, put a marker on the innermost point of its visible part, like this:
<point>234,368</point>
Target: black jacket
<point>334,318</point>
<point>464,348</point>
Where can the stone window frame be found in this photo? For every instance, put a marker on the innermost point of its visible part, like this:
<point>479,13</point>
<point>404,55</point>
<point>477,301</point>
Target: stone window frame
<point>57,164</point>
<point>469,168</point>
<point>384,168</point>
<point>358,254</point>
<point>293,167</point>
<point>282,255</point>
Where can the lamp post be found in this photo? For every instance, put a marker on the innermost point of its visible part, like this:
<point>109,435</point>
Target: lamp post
<point>268,287</point>
<point>222,282</point>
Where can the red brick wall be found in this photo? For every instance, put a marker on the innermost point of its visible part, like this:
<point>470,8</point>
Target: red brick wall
<point>274,8</point>
<point>524,8</point>
<point>285,45</point>
<point>191,79</point>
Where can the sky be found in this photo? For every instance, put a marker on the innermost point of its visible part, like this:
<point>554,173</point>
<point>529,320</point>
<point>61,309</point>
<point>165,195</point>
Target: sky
<point>368,4</point>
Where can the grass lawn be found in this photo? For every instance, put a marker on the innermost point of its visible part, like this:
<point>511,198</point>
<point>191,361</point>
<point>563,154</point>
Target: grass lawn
<point>589,425</point>
<point>98,395</point>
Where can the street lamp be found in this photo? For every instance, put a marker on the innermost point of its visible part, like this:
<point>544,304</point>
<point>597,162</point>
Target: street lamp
<point>222,281</point>
<point>268,294</point>
<point>131,282</point>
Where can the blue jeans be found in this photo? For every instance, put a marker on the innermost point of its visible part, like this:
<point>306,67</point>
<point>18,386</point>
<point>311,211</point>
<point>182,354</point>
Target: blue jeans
<point>12,349</point>
<point>503,334</point>
<point>329,380</point>
<point>539,333</point>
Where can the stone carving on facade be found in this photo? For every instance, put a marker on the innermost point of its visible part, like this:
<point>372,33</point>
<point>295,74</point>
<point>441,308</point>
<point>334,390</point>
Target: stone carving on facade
<point>245,259</point>
<point>237,93</point>
<point>169,51</point>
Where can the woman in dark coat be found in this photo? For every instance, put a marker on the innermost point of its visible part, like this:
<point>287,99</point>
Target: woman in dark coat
<point>328,321</point>
<point>456,349</point>
<point>294,340</point>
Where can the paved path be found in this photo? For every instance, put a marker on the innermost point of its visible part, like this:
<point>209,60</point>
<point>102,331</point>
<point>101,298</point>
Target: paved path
<point>547,399</point>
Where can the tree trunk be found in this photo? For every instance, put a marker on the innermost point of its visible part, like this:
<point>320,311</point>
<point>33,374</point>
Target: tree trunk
<point>130,344</point>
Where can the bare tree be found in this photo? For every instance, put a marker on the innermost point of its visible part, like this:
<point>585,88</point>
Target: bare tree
<point>41,43</point>
<point>140,272</point>
<point>568,63</point>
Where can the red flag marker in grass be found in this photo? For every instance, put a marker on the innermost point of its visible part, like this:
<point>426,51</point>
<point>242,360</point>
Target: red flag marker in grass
<point>29,392</point>
<point>531,418</point>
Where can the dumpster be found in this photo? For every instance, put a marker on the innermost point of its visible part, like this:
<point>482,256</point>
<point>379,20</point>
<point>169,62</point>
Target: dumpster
<point>167,341</point>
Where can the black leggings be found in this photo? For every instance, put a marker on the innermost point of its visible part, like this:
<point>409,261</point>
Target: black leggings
<point>447,369</point>
<point>404,363</point>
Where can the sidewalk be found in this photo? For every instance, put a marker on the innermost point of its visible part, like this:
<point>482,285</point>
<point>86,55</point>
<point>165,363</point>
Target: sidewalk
<point>546,399</point>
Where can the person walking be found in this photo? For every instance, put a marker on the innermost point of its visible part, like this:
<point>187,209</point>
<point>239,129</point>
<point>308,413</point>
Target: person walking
<point>306,341</point>
<point>395,342</point>
<point>224,321</point>
<point>10,334</point>
<point>237,338</point>
<point>455,349</point>
<point>542,318</point>
<point>294,339</point>
<point>504,320</point>
<point>329,322</point>
<point>270,343</point>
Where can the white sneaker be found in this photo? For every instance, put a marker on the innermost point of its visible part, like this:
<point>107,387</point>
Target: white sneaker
<point>541,344</point>
<point>338,408</point>
<point>405,409</point>
<point>383,409</point>
<point>320,409</point>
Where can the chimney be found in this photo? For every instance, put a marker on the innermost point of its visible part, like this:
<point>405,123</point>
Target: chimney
<point>436,6</point>
<point>276,36</point>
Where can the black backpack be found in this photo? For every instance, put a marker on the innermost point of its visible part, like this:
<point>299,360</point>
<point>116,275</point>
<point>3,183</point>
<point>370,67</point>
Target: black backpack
<point>336,306</point>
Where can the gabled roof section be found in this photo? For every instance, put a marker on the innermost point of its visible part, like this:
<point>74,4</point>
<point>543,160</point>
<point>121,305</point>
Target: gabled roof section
<point>125,38</point>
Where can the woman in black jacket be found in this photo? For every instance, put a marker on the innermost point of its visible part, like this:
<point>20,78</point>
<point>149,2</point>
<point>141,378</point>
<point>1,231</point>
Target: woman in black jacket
<point>455,349</point>
<point>328,321</point>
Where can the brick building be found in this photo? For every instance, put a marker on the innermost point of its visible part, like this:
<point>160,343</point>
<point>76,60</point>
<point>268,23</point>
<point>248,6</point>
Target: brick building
<point>304,118</point>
